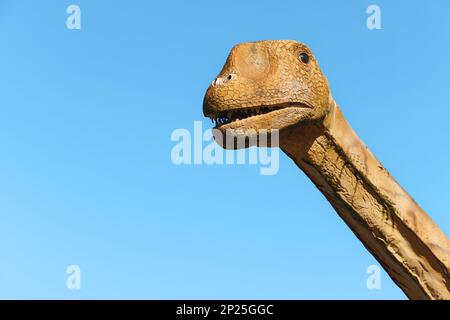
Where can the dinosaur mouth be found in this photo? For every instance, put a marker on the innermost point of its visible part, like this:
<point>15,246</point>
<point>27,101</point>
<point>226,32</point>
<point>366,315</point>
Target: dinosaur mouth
<point>233,115</point>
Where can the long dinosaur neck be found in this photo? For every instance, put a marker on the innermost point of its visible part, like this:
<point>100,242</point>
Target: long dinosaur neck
<point>390,224</point>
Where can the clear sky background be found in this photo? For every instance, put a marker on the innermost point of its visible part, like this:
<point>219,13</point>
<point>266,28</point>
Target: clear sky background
<point>86,176</point>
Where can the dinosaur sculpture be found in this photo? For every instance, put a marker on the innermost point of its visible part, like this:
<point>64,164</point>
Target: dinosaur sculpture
<point>270,85</point>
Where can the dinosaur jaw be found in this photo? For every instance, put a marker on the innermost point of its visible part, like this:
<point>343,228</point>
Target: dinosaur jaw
<point>243,124</point>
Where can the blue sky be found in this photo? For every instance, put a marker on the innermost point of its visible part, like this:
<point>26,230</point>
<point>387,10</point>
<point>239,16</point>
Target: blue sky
<point>86,176</point>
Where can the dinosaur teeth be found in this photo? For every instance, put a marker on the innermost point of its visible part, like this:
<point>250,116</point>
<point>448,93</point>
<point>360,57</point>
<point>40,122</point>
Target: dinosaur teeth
<point>240,114</point>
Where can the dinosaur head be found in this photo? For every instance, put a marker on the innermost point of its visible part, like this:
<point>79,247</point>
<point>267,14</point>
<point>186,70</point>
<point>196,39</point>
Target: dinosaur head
<point>266,85</point>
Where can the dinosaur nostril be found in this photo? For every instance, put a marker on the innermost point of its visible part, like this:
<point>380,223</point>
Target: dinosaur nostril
<point>223,80</point>
<point>229,77</point>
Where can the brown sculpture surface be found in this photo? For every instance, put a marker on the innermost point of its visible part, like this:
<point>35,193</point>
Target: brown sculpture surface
<point>270,85</point>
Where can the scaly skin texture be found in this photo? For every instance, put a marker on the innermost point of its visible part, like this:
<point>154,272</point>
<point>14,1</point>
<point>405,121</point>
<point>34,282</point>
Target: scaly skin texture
<point>278,85</point>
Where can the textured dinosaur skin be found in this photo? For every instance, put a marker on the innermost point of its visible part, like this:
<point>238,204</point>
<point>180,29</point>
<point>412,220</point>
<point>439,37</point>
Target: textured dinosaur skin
<point>269,85</point>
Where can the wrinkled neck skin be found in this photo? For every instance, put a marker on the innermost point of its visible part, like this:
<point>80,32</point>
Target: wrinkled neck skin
<point>390,224</point>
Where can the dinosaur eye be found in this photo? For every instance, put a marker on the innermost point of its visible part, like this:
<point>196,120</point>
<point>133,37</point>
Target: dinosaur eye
<point>304,57</point>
